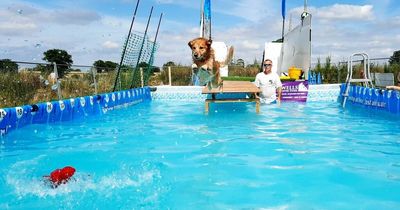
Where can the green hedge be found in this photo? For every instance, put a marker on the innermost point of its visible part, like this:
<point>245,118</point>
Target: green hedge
<point>238,78</point>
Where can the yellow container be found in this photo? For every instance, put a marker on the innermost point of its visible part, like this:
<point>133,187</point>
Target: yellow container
<point>294,73</point>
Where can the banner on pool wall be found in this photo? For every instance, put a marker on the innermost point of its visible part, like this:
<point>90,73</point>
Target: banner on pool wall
<point>295,91</point>
<point>69,109</point>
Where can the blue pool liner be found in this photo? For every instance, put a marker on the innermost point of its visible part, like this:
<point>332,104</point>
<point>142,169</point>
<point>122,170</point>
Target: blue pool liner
<point>372,98</point>
<point>69,109</point>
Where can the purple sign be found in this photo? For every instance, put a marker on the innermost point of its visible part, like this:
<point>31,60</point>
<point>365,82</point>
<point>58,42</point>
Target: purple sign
<point>295,91</point>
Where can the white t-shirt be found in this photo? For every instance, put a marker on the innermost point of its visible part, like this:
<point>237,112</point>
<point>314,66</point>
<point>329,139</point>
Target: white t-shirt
<point>268,83</point>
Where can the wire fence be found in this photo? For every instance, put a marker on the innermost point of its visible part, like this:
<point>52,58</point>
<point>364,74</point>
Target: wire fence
<point>182,75</point>
<point>337,72</point>
<point>28,82</point>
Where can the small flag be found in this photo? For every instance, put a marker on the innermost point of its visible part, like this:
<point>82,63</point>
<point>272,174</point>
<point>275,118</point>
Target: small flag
<point>283,9</point>
<point>207,19</point>
<point>207,10</point>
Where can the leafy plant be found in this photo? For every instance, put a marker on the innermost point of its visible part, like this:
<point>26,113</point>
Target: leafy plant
<point>7,65</point>
<point>61,58</point>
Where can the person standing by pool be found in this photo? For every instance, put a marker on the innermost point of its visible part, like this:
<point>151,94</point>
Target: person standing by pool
<point>269,83</point>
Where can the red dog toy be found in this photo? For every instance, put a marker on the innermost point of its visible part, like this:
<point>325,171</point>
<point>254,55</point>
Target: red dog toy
<point>61,176</point>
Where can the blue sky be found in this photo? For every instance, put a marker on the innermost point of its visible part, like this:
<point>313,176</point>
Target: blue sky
<point>95,29</point>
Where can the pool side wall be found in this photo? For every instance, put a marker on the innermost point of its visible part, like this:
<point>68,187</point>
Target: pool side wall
<point>193,93</point>
<point>369,98</point>
<point>69,109</point>
<point>372,98</point>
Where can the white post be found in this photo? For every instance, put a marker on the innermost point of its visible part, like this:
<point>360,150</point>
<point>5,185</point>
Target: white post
<point>169,76</point>
<point>58,82</point>
<point>141,76</point>
<point>94,70</point>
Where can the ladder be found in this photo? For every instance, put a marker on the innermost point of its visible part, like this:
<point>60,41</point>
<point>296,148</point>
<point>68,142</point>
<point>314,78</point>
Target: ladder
<point>366,80</point>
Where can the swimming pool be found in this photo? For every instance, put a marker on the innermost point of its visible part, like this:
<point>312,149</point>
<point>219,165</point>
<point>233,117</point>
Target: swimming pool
<point>167,154</point>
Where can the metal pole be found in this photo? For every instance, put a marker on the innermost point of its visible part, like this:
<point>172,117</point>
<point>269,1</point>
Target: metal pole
<point>283,28</point>
<point>126,44</point>
<point>283,17</point>
<point>154,46</point>
<point>262,62</point>
<point>210,23</point>
<point>305,5</point>
<point>141,48</point>
<point>201,18</point>
<point>141,76</point>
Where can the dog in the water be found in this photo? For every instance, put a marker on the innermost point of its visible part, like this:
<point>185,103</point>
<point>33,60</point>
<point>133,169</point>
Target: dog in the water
<point>204,63</point>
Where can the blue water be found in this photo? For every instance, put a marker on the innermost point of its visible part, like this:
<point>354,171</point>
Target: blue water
<point>170,155</point>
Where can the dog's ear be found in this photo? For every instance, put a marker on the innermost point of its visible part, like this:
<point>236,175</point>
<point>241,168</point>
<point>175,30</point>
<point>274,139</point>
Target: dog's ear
<point>190,44</point>
<point>209,42</point>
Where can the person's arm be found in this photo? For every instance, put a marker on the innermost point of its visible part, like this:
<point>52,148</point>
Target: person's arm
<point>257,83</point>
<point>279,94</point>
<point>279,88</point>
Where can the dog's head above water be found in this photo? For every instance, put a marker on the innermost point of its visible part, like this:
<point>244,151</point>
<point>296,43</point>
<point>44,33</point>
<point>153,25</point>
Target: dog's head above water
<point>201,49</point>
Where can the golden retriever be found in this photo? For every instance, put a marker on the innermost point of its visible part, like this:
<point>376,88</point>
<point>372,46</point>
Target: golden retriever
<point>204,61</point>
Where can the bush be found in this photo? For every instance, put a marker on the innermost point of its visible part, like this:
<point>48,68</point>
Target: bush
<point>242,71</point>
<point>180,75</point>
<point>18,88</point>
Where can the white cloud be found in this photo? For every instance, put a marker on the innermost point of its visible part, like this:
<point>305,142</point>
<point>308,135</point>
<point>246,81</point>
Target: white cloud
<point>337,30</point>
<point>75,17</point>
<point>110,45</point>
<point>345,12</point>
<point>16,28</point>
<point>248,44</point>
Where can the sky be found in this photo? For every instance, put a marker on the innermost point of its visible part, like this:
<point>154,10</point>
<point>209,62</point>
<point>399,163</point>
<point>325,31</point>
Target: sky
<point>90,30</point>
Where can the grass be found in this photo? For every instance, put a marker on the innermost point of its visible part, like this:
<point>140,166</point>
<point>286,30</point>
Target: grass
<point>28,87</point>
<point>238,78</point>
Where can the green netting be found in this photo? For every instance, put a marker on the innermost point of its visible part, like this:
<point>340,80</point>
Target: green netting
<point>139,50</point>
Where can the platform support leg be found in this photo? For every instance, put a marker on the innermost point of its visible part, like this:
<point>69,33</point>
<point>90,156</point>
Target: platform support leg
<point>207,106</point>
<point>257,106</point>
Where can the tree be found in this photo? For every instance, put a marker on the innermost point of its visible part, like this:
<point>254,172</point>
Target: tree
<point>254,64</point>
<point>43,68</point>
<point>143,65</point>
<point>111,66</point>
<point>149,69</point>
<point>7,65</point>
<point>99,65</point>
<point>105,66</point>
<point>395,58</point>
<point>169,63</point>
<point>318,67</point>
<point>240,62</point>
<point>61,58</point>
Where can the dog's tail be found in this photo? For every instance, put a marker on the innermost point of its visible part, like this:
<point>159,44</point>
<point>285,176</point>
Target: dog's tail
<point>229,56</point>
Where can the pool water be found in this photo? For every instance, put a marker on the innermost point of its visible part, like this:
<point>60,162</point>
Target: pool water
<point>170,155</point>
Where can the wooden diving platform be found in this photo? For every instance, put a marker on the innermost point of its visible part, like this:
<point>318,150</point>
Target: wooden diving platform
<point>233,87</point>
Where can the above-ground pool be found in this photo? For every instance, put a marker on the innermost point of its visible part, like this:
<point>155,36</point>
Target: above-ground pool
<point>164,154</point>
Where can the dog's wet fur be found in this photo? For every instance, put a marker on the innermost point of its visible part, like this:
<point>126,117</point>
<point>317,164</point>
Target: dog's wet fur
<point>203,57</point>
